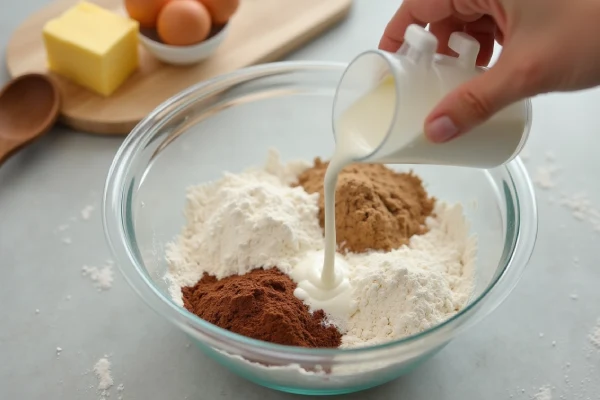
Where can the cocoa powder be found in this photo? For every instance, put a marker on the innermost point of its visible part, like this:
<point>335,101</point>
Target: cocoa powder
<point>376,208</point>
<point>260,305</point>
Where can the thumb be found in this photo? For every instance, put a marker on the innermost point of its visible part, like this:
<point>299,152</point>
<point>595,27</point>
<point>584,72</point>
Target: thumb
<point>475,101</point>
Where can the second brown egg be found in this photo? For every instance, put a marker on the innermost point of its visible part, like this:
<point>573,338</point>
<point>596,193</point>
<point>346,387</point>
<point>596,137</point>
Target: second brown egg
<point>183,23</point>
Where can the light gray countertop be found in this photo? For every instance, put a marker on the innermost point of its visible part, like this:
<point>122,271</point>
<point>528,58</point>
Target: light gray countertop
<point>537,337</point>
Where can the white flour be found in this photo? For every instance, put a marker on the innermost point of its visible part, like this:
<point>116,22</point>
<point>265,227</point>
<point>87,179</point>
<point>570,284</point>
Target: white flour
<point>255,219</point>
<point>120,390</point>
<point>105,380</point>
<point>242,222</point>
<point>544,176</point>
<point>411,289</point>
<point>102,277</point>
<point>544,393</point>
<point>61,228</point>
<point>86,212</point>
<point>582,208</point>
<point>594,335</point>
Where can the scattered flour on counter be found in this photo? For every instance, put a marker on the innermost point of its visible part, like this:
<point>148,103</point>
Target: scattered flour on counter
<point>120,390</point>
<point>67,240</point>
<point>86,212</point>
<point>582,209</point>
<point>244,221</point>
<point>544,176</point>
<point>105,380</point>
<point>61,228</point>
<point>594,335</point>
<point>544,393</point>
<point>101,277</point>
<point>579,204</point>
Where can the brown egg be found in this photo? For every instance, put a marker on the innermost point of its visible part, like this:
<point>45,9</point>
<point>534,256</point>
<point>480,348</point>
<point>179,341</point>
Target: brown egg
<point>145,11</point>
<point>221,10</point>
<point>183,23</point>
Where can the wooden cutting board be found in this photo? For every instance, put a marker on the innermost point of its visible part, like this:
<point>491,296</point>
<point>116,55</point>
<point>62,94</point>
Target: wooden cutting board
<point>261,31</point>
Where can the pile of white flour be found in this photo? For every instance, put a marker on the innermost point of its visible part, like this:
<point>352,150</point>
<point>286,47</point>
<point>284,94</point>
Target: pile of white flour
<point>245,221</point>
<point>255,219</point>
<point>410,289</point>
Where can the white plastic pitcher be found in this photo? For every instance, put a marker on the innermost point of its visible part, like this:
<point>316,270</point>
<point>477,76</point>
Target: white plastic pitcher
<point>383,98</point>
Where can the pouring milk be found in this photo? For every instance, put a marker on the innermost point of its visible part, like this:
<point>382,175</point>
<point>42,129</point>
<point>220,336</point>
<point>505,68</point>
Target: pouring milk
<point>379,109</point>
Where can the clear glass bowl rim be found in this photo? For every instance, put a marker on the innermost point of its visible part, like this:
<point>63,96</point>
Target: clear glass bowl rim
<point>116,214</point>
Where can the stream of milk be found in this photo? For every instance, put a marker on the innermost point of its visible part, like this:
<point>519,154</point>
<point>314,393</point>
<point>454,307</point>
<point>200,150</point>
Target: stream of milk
<point>322,277</point>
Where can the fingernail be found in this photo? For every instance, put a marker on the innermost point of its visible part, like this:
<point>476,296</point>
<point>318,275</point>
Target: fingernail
<point>441,130</point>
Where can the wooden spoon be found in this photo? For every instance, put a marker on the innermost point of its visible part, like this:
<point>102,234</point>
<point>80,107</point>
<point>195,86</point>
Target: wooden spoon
<point>29,107</point>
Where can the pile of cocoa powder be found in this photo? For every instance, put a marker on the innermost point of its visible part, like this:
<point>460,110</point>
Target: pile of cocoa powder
<point>260,305</point>
<point>376,208</point>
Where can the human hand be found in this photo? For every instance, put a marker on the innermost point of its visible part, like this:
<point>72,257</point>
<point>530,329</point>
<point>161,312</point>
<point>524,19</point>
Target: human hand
<point>548,45</point>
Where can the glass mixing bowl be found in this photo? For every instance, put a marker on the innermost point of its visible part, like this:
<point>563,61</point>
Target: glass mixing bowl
<point>229,123</point>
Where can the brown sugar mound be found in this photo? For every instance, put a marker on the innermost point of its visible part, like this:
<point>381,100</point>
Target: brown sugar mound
<point>375,208</point>
<point>260,305</point>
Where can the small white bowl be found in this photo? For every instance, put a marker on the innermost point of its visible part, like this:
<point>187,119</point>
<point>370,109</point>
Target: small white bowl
<point>182,55</point>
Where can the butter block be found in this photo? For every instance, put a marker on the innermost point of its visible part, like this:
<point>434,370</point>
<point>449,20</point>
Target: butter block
<point>92,46</point>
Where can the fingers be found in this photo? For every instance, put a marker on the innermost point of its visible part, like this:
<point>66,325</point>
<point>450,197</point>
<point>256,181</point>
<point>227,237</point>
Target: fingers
<point>419,12</point>
<point>499,37</point>
<point>484,31</point>
<point>444,17</point>
<point>393,36</point>
<point>475,101</point>
<point>437,10</point>
<point>442,31</point>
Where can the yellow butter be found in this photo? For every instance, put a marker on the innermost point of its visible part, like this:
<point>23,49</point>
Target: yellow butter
<point>92,47</point>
